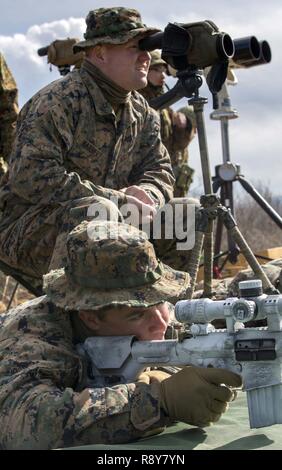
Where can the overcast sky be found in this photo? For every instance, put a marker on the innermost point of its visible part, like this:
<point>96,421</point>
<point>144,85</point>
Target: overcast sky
<point>255,138</point>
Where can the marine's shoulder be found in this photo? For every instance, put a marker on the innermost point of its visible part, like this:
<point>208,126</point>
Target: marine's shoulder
<point>139,102</point>
<point>63,92</point>
<point>31,316</point>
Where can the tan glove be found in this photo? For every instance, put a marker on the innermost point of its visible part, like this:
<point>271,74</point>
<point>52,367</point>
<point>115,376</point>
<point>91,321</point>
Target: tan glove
<point>196,395</point>
<point>151,376</point>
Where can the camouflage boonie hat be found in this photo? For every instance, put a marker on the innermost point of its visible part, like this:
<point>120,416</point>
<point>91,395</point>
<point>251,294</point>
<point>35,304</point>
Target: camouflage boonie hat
<point>110,263</point>
<point>112,26</point>
<point>156,59</point>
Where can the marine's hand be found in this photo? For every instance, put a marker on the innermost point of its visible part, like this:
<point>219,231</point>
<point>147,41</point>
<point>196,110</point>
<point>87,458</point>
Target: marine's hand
<point>179,120</point>
<point>197,395</point>
<point>137,197</point>
<point>151,376</point>
<point>138,193</point>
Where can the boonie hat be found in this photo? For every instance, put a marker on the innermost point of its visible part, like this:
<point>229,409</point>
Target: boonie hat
<point>111,263</point>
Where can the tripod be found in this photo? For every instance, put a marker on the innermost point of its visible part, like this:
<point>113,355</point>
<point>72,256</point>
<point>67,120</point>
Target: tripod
<point>211,209</point>
<point>226,174</point>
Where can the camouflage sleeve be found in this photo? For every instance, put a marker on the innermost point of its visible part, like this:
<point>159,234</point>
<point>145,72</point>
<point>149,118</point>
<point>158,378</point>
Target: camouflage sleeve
<point>37,169</point>
<point>41,406</point>
<point>154,173</point>
<point>40,415</point>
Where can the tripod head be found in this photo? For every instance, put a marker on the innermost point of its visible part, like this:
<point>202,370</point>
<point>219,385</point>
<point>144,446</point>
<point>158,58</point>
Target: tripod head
<point>188,84</point>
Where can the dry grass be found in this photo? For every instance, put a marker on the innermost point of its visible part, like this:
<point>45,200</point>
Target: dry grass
<point>256,226</point>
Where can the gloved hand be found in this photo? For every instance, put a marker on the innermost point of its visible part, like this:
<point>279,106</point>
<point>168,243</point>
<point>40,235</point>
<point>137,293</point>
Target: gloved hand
<point>151,376</point>
<point>196,395</point>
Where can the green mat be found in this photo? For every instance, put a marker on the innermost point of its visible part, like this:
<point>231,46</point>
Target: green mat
<point>232,432</point>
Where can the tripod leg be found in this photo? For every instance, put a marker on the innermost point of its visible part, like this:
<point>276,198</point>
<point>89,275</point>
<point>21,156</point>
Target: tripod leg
<point>194,261</point>
<point>218,238</point>
<point>234,231</point>
<point>227,201</point>
<point>208,260</point>
<point>261,201</point>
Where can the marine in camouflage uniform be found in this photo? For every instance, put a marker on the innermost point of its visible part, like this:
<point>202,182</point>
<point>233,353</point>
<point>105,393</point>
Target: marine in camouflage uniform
<point>8,113</point>
<point>176,138</point>
<point>72,149</point>
<point>43,399</point>
<point>46,398</point>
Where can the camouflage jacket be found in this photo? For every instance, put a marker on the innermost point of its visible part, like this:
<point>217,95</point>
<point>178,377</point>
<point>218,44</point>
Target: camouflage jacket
<point>70,145</point>
<point>8,112</point>
<point>43,404</point>
<point>175,139</point>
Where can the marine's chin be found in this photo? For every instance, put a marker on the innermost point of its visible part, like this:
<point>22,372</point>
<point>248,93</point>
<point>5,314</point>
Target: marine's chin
<point>143,82</point>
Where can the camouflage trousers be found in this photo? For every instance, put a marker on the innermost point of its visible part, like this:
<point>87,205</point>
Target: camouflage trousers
<point>36,243</point>
<point>27,244</point>
<point>172,250</point>
<point>167,246</point>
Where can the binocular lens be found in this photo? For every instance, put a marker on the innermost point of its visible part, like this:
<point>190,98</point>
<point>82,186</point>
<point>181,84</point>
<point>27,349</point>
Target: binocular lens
<point>225,46</point>
<point>265,52</point>
<point>246,49</point>
<point>264,56</point>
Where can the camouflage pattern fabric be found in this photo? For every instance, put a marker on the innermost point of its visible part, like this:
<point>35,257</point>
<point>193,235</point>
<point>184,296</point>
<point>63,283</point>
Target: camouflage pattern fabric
<point>8,112</point>
<point>166,249</point>
<point>70,146</point>
<point>113,26</point>
<point>229,287</point>
<point>42,402</point>
<point>176,141</point>
<point>110,263</point>
<point>273,270</point>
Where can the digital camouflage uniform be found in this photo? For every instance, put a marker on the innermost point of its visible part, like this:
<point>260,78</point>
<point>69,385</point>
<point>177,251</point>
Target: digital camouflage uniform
<point>70,146</point>
<point>8,113</point>
<point>175,139</point>
<point>43,400</point>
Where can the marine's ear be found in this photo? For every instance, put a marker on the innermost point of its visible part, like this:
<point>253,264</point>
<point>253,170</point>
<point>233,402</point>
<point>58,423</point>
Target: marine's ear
<point>90,319</point>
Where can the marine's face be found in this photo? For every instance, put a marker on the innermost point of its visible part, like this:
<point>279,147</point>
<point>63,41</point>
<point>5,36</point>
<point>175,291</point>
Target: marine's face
<point>156,75</point>
<point>145,323</point>
<point>125,64</point>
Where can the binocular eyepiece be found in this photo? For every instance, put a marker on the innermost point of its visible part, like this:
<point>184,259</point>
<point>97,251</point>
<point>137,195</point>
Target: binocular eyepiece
<point>249,52</point>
